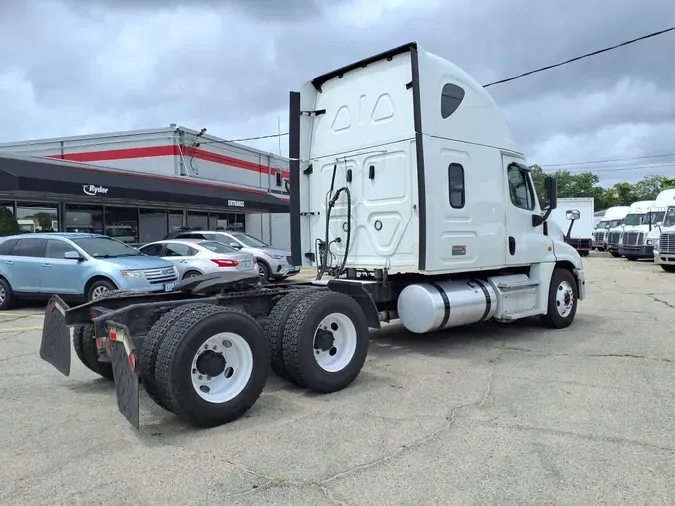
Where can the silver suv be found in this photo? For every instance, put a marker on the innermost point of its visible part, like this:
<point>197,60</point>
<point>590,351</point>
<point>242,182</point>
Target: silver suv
<point>273,263</point>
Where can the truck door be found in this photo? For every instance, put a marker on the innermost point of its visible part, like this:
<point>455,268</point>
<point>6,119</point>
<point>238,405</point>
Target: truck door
<point>525,244</point>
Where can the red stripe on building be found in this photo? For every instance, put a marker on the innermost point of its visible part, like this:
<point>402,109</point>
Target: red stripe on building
<point>178,180</point>
<point>170,150</point>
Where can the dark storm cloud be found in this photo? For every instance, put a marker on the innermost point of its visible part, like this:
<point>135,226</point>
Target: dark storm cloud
<point>230,64</point>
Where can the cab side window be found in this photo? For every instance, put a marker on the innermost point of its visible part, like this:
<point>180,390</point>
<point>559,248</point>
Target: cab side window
<point>178,250</point>
<point>154,250</point>
<point>58,249</point>
<point>520,190</point>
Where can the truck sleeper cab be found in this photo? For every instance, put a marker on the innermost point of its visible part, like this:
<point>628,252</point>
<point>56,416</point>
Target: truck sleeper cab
<point>412,202</point>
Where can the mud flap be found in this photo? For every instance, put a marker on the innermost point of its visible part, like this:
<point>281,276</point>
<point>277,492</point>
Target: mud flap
<point>124,372</point>
<point>55,345</point>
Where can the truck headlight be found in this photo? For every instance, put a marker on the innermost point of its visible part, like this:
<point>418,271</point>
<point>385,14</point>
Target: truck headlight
<point>134,274</point>
<point>649,242</point>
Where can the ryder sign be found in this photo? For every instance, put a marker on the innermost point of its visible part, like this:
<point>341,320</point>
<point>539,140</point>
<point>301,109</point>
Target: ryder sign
<point>94,190</point>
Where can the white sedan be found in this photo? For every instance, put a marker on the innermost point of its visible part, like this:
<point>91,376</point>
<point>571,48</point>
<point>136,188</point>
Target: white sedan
<point>196,257</point>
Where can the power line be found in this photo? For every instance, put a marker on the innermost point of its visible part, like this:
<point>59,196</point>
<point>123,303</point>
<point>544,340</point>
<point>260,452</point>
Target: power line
<point>605,161</point>
<point>619,169</point>
<point>626,43</point>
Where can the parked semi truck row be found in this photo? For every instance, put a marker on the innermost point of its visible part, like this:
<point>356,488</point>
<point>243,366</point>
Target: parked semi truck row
<point>411,200</point>
<point>610,222</point>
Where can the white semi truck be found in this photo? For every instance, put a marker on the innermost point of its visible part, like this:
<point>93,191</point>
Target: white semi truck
<point>641,220</point>
<point>611,223</point>
<point>662,236</point>
<point>635,214</point>
<point>412,201</point>
<point>578,232</point>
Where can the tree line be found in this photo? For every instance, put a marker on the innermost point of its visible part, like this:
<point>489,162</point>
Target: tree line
<point>587,184</point>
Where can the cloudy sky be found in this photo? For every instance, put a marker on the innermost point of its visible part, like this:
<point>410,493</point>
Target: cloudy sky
<point>71,67</point>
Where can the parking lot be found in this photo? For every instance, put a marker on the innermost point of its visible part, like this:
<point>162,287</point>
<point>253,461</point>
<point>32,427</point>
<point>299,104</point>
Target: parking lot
<point>493,413</point>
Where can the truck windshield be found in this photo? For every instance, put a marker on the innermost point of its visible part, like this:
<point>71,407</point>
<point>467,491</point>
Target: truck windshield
<point>634,219</point>
<point>654,218</point>
<point>614,223</point>
<point>602,224</point>
<point>669,219</point>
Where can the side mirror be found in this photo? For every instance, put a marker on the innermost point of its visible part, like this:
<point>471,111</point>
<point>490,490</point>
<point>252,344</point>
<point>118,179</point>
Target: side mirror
<point>573,214</point>
<point>551,192</point>
<point>235,245</point>
<point>72,255</point>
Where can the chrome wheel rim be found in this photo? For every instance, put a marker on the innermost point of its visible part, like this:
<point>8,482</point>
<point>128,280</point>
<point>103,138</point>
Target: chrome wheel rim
<point>99,292</point>
<point>564,299</point>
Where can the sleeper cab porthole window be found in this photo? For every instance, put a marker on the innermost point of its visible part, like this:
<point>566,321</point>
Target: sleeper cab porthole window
<point>451,96</point>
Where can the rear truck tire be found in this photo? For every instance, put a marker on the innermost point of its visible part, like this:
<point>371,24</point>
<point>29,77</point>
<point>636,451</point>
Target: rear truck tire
<point>212,365</point>
<point>584,253</point>
<point>147,358</point>
<point>85,347</point>
<point>562,300</point>
<point>615,254</point>
<point>100,288</point>
<point>668,268</point>
<point>274,331</point>
<point>6,295</point>
<point>87,351</point>
<point>326,341</point>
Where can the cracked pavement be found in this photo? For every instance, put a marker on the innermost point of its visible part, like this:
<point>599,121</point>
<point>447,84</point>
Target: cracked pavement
<point>493,413</point>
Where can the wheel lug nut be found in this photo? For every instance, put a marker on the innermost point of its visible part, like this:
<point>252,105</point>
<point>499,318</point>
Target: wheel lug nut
<point>199,377</point>
<point>208,378</point>
<point>194,371</point>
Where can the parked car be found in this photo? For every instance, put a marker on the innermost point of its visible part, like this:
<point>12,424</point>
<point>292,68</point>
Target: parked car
<point>78,266</point>
<point>196,257</point>
<point>273,263</point>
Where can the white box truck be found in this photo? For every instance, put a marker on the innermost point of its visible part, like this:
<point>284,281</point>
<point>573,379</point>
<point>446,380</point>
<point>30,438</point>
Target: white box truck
<point>579,231</point>
<point>408,192</point>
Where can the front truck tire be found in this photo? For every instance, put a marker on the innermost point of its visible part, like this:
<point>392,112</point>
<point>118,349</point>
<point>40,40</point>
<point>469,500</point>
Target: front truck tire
<point>212,365</point>
<point>326,342</point>
<point>563,297</point>
<point>668,268</point>
<point>274,331</point>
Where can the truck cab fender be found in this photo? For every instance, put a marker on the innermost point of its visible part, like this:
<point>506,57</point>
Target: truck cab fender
<point>357,291</point>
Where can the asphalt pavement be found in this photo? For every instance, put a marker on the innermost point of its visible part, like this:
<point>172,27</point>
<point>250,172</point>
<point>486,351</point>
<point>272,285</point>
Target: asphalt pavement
<point>485,414</point>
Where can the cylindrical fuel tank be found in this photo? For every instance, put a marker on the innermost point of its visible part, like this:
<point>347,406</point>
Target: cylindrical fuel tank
<point>430,306</point>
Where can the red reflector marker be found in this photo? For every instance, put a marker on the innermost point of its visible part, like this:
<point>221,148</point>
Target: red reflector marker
<point>224,262</point>
<point>113,336</point>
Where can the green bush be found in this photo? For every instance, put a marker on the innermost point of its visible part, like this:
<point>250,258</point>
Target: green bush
<point>8,223</point>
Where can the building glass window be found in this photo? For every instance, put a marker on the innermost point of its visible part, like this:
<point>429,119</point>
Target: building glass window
<point>219,221</point>
<point>520,190</point>
<point>153,225</point>
<point>237,221</point>
<point>451,97</point>
<point>175,221</point>
<point>87,219</point>
<point>121,223</point>
<point>456,185</point>
<point>198,220</point>
<point>37,217</point>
